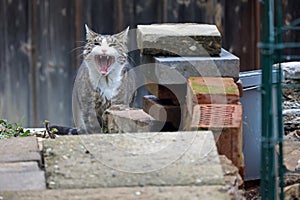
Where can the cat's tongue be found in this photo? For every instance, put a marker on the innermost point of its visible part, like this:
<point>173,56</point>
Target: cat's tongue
<point>104,62</point>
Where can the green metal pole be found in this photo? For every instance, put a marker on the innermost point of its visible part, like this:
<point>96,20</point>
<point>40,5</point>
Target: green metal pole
<point>279,99</point>
<point>268,177</point>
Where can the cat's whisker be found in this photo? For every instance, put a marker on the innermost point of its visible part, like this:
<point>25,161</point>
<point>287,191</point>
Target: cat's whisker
<point>80,41</point>
<point>132,60</point>
<point>79,56</point>
<point>76,48</point>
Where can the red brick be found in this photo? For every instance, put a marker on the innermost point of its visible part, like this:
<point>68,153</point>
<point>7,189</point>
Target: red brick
<point>175,93</point>
<point>162,110</point>
<point>212,90</point>
<point>226,123</point>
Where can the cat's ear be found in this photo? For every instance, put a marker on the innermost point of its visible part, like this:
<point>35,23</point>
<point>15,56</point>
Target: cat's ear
<point>125,32</point>
<point>123,36</point>
<point>89,33</point>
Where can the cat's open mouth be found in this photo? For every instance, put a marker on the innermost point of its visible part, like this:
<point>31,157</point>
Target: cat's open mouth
<point>104,62</point>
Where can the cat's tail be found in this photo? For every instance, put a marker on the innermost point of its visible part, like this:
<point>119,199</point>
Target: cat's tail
<point>62,130</point>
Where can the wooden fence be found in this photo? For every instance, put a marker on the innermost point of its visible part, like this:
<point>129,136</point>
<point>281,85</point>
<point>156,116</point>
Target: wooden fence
<point>39,42</point>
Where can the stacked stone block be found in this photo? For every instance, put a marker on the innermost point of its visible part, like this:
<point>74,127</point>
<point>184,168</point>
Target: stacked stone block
<point>188,69</point>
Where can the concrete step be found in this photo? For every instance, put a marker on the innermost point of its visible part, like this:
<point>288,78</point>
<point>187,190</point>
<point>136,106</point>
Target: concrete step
<point>123,193</point>
<point>19,149</point>
<point>130,160</point>
<point>19,165</point>
<point>21,176</point>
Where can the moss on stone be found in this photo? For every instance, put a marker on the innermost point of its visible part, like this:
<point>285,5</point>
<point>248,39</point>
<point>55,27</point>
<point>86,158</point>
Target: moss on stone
<point>199,88</point>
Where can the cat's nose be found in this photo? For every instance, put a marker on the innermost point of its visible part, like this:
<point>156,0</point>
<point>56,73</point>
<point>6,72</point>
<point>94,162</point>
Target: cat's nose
<point>104,50</point>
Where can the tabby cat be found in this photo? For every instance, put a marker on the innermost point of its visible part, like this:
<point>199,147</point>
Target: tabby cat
<point>102,80</point>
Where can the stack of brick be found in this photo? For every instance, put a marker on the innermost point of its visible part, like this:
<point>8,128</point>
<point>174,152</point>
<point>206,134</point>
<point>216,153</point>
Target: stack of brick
<point>193,82</point>
<point>213,104</point>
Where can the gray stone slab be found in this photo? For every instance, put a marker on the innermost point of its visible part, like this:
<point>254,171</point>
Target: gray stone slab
<point>130,120</point>
<point>126,160</point>
<point>179,39</point>
<point>291,70</point>
<point>18,167</point>
<point>124,193</point>
<point>19,149</point>
<point>22,181</point>
<point>21,176</point>
<point>175,70</point>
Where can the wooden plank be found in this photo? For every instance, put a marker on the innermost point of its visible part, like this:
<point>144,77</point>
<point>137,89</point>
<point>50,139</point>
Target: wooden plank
<point>55,62</point>
<point>79,31</point>
<point>102,19</point>
<point>180,11</point>
<point>204,11</point>
<point>2,55</point>
<point>14,104</point>
<point>240,33</point>
<point>125,14</point>
<point>189,11</point>
<point>149,12</point>
<point>290,13</point>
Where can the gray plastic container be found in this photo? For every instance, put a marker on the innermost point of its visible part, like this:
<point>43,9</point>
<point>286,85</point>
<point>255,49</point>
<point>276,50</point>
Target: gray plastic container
<point>252,108</point>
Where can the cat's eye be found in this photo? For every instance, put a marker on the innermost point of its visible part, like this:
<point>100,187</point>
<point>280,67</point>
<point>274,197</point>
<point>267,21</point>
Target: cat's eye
<point>97,43</point>
<point>112,45</point>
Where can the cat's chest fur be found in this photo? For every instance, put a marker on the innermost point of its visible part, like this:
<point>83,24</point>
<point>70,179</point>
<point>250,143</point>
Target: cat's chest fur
<point>107,86</point>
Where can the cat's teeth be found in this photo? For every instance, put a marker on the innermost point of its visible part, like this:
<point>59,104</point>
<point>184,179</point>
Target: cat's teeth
<point>107,57</point>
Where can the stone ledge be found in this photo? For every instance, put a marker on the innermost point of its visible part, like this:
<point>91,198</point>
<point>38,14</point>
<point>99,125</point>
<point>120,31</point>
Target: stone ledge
<point>128,160</point>
<point>179,39</point>
<point>124,193</point>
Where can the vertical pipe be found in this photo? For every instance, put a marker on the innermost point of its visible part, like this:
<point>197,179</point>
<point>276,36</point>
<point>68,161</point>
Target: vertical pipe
<point>268,178</point>
<point>279,99</point>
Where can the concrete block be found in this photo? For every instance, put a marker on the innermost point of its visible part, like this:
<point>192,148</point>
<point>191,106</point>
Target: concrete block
<point>122,119</point>
<point>179,39</point>
<point>19,149</point>
<point>21,176</point>
<point>225,65</point>
<point>133,159</point>
<point>162,110</point>
<point>210,90</point>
